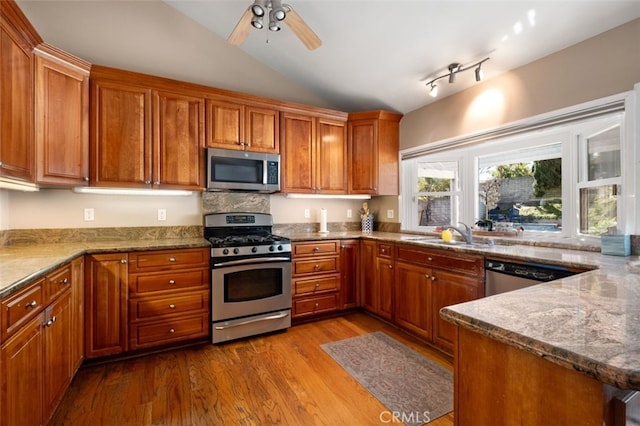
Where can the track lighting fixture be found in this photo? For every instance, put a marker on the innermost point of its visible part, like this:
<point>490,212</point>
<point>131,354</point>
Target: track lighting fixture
<point>454,69</point>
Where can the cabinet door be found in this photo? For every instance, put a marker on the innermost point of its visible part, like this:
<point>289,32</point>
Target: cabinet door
<point>21,372</point>
<point>178,141</point>
<point>16,100</point>
<point>385,275</point>
<point>58,369</point>
<point>331,157</point>
<point>298,153</point>
<point>262,133</point>
<point>413,298</point>
<point>77,312</point>
<point>450,289</point>
<point>105,304</point>
<point>369,291</point>
<point>224,124</point>
<point>349,273</point>
<point>363,153</point>
<point>62,123</point>
<point>120,135</point>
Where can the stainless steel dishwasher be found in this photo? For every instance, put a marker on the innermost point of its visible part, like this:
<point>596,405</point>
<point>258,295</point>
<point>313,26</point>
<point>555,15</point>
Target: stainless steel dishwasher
<point>502,276</point>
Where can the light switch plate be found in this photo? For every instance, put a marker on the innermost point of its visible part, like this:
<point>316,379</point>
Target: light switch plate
<point>390,214</point>
<point>89,214</point>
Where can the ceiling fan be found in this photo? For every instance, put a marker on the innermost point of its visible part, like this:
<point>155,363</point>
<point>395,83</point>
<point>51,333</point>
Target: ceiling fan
<point>275,12</point>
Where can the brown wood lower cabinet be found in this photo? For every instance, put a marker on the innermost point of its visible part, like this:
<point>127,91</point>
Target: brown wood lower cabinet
<point>376,277</point>
<point>37,360</point>
<point>169,297</point>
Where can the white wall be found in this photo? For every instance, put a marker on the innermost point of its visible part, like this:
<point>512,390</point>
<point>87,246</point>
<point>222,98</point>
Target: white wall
<point>4,209</point>
<point>65,209</point>
<point>287,210</point>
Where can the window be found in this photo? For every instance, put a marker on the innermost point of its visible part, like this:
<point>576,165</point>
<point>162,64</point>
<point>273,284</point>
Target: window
<point>563,175</point>
<point>521,187</point>
<point>435,190</point>
<point>599,180</point>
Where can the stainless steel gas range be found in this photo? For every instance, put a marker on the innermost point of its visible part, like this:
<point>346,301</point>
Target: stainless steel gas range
<point>250,275</point>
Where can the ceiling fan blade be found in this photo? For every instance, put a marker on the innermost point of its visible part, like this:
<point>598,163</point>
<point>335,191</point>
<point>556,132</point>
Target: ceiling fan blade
<point>302,30</point>
<point>242,29</point>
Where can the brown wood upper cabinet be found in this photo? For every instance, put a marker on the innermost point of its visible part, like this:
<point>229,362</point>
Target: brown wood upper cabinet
<point>234,125</point>
<point>374,139</point>
<point>17,40</point>
<point>62,118</point>
<point>146,132</point>
<point>313,153</point>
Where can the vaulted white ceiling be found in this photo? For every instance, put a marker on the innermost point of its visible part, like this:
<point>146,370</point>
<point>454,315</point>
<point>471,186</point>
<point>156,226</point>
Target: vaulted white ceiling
<point>380,53</point>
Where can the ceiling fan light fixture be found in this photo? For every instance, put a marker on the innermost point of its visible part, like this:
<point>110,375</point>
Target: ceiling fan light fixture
<point>256,22</point>
<point>259,8</point>
<point>277,10</point>
<point>274,24</point>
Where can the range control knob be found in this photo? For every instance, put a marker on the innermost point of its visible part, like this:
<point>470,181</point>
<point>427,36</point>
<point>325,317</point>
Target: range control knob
<point>236,251</point>
<point>225,251</point>
<point>272,248</point>
<point>254,249</point>
<point>280,248</point>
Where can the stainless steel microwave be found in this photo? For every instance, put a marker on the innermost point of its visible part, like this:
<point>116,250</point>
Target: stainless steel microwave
<point>229,170</point>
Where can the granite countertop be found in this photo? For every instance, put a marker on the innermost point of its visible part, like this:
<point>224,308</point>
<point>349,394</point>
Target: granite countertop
<point>588,322</point>
<point>21,264</point>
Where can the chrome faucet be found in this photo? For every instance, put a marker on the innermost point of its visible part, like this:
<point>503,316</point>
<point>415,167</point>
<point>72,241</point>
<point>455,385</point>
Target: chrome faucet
<point>466,234</point>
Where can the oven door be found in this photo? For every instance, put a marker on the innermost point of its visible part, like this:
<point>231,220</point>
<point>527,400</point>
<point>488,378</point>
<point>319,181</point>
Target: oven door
<point>250,287</point>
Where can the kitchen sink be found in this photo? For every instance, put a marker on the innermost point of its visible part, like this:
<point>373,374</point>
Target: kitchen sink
<point>459,243</point>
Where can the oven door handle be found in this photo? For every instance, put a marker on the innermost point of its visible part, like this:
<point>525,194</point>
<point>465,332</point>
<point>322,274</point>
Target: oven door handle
<point>252,260</point>
<point>249,321</point>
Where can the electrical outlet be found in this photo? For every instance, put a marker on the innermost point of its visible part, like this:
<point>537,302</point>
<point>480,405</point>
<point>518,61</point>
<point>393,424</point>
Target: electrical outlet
<point>89,214</point>
<point>307,213</point>
<point>390,214</point>
<point>162,214</point>
<point>349,213</point>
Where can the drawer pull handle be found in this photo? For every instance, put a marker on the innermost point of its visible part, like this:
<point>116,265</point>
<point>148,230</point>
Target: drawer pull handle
<point>316,266</point>
<point>172,282</point>
<point>171,330</point>
<point>123,261</point>
<point>172,306</point>
<point>316,249</point>
<point>65,281</point>
<point>172,259</point>
<point>31,304</point>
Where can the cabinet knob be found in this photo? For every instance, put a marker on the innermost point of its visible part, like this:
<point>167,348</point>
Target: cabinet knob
<point>427,276</point>
<point>317,285</point>
<point>123,261</point>
<point>65,281</point>
<point>31,304</point>
<point>172,282</point>
<point>390,266</point>
<point>147,182</point>
<point>172,330</point>
<point>172,259</point>
<point>433,278</point>
<point>317,305</point>
<point>316,266</point>
<point>316,249</point>
<point>86,178</point>
<point>429,259</point>
<point>172,306</point>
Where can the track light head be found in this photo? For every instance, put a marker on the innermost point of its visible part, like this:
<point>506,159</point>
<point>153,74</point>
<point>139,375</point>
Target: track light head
<point>434,90</point>
<point>479,73</point>
<point>453,69</point>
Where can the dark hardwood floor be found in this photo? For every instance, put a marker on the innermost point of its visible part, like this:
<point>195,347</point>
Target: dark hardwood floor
<point>282,378</point>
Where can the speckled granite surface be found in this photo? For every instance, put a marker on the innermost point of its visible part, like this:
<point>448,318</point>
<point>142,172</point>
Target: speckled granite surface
<point>589,322</point>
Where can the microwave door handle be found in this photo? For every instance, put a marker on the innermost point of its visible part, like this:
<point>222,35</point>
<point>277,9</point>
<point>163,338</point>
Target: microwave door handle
<point>265,171</point>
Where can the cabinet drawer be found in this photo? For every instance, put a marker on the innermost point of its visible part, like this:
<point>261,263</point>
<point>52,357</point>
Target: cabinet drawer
<point>312,266</point>
<point>146,308</point>
<point>21,307</point>
<point>57,282</point>
<point>316,248</point>
<point>169,281</point>
<point>468,264</point>
<point>385,250</point>
<point>315,305</point>
<point>168,259</point>
<point>316,285</point>
<point>168,331</point>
